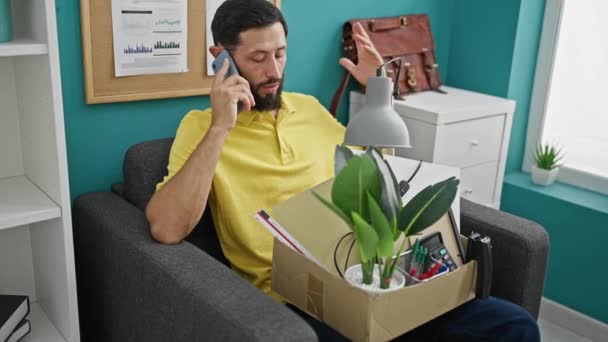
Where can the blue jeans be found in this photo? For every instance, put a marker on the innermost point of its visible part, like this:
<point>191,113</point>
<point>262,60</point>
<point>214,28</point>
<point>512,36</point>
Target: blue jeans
<point>491,319</point>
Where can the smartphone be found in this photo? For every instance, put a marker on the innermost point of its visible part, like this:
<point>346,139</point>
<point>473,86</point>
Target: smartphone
<point>217,64</point>
<point>219,61</point>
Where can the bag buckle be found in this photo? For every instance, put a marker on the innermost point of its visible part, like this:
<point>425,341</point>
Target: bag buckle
<point>432,67</point>
<point>411,75</point>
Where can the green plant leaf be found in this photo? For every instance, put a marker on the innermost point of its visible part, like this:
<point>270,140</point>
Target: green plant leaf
<point>390,198</point>
<point>350,187</point>
<point>382,227</point>
<point>368,271</point>
<point>366,237</point>
<point>547,156</point>
<point>428,206</point>
<point>334,208</point>
<point>396,232</point>
<point>341,158</point>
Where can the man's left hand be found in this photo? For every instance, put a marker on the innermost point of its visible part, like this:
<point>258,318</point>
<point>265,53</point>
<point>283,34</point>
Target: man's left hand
<point>368,57</point>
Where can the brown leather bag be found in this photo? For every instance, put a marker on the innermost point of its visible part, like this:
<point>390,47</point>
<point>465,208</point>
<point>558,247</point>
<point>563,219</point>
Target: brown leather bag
<point>407,37</point>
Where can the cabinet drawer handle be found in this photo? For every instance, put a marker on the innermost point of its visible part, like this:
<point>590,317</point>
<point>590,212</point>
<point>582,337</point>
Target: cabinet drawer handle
<point>468,191</point>
<point>474,142</point>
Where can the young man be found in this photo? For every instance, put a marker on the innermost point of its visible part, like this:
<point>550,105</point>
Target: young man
<point>280,144</point>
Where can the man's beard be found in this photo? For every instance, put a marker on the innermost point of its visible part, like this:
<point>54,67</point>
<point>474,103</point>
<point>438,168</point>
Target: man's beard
<point>270,101</point>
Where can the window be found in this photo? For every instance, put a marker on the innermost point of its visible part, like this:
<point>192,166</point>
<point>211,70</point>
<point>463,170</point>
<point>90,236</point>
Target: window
<point>570,97</point>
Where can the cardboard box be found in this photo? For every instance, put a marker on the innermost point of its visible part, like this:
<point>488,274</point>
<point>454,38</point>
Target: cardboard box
<point>315,286</point>
<point>357,314</point>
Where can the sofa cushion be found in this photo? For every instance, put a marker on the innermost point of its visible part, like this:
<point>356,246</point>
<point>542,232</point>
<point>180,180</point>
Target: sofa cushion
<point>144,166</point>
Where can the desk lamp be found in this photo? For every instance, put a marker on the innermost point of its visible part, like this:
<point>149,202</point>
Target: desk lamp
<point>377,123</point>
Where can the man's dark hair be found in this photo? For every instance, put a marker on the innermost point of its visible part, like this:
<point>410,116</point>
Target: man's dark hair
<point>236,16</point>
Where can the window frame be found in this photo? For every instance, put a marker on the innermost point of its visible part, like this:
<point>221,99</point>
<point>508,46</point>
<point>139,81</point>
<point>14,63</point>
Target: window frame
<point>542,85</point>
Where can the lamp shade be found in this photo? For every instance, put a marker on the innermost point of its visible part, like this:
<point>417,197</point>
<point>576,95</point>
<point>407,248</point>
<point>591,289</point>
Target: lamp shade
<point>377,123</point>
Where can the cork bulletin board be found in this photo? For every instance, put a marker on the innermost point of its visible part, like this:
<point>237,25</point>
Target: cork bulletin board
<point>101,86</point>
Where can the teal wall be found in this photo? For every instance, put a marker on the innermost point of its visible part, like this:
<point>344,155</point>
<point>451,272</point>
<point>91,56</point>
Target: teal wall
<point>481,50</point>
<point>493,50</point>
<point>521,80</point>
<point>98,135</point>
<point>577,223</point>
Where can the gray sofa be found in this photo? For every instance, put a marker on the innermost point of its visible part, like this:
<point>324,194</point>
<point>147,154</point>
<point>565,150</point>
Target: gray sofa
<point>131,288</point>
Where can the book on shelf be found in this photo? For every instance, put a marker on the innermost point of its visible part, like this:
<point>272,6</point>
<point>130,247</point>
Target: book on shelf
<point>22,329</point>
<point>13,309</point>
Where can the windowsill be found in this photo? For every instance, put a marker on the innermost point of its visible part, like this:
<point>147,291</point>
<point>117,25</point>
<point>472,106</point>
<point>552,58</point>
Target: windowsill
<point>568,193</point>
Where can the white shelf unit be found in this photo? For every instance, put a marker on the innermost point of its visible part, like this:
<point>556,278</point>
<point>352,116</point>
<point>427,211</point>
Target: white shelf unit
<point>36,244</point>
<point>23,47</point>
<point>44,329</point>
<point>21,203</point>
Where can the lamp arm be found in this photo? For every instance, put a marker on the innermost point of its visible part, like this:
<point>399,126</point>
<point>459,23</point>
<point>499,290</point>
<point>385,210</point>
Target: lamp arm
<point>396,82</point>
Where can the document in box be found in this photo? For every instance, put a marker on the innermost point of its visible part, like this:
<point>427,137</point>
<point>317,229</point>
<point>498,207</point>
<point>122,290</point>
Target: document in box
<point>282,235</point>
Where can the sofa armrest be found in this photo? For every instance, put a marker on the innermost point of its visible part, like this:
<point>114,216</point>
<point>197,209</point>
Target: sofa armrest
<point>519,254</point>
<point>118,188</point>
<point>132,288</point>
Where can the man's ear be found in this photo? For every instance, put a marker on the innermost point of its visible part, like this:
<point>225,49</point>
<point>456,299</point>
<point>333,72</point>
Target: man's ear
<point>215,50</point>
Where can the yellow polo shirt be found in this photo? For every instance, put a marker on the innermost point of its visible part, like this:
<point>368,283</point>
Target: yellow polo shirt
<point>263,162</point>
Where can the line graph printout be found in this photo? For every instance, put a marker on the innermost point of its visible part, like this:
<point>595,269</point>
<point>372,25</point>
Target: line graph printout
<point>150,36</point>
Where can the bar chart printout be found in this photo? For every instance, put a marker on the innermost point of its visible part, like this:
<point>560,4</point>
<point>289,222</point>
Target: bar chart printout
<point>150,37</point>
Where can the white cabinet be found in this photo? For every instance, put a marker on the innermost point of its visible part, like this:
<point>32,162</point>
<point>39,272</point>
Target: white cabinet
<point>461,128</point>
<point>36,245</point>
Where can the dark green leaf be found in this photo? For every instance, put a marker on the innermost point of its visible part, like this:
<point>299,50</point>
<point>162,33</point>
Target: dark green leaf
<point>341,158</point>
<point>390,198</point>
<point>350,187</point>
<point>547,156</point>
<point>396,232</point>
<point>428,206</point>
<point>382,227</point>
<point>335,209</point>
<point>397,189</point>
<point>366,236</point>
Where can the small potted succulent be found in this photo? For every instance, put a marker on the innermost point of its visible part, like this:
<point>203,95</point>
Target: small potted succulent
<point>366,196</point>
<point>547,158</point>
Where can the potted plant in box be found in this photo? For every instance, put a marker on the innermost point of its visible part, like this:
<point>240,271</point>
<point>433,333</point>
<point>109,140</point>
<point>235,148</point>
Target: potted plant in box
<point>546,164</point>
<point>365,194</point>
